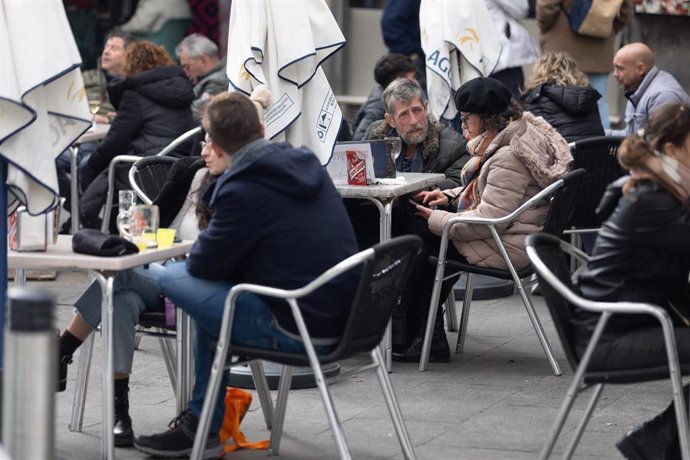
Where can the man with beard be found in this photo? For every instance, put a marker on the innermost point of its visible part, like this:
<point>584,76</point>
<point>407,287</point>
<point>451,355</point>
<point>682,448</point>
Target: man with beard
<point>428,146</point>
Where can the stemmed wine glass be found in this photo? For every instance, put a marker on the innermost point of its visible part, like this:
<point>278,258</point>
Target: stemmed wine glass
<point>126,201</point>
<point>394,146</point>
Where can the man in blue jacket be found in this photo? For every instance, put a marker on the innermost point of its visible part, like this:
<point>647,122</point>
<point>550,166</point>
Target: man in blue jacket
<point>277,221</point>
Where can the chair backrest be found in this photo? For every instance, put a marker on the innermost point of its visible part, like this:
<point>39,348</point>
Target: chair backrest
<point>599,157</point>
<point>182,144</point>
<point>148,175</point>
<point>547,256</point>
<point>381,285</point>
<point>562,203</point>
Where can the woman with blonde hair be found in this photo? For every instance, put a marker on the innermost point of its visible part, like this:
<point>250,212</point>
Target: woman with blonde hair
<point>642,254</point>
<point>562,95</point>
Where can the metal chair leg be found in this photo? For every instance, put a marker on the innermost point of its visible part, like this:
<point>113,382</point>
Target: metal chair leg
<point>169,356</point>
<point>261,385</point>
<point>393,407</point>
<point>80,388</point>
<point>279,415</point>
<point>465,315</point>
<point>451,315</point>
<point>572,445</point>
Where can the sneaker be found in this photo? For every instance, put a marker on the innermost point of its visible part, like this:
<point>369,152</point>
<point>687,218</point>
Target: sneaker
<point>178,440</point>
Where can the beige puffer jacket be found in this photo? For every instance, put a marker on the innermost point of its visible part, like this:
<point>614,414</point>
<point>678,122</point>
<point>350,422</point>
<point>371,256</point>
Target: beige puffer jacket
<point>527,156</point>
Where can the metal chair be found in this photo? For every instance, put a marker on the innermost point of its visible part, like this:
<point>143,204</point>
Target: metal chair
<point>148,175</point>
<point>386,268</point>
<point>548,255</point>
<point>599,157</point>
<point>562,193</point>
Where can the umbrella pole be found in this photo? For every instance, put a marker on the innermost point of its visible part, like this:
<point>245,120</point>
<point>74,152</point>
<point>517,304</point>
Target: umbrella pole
<point>3,264</point>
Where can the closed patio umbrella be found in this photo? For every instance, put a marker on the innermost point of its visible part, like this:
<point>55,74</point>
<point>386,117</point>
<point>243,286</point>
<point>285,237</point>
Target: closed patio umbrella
<point>43,106</point>
<point>460,43</point>
<point>282,44</point>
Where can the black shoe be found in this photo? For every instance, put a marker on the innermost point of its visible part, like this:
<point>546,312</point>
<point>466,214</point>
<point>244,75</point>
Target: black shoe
<point>178,440</point>
<point>122,431</point>
<point>65,360</point>
<point>440,352</point>
<point>122,425</point>
<point>653,440</point>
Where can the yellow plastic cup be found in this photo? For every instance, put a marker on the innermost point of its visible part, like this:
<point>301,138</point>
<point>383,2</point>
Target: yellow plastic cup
<point>165,237</point>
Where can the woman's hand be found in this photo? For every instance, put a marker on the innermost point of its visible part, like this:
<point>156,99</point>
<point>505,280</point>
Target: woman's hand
<point>423,211</point>
<point>432,198</point>
<point>101,119</point>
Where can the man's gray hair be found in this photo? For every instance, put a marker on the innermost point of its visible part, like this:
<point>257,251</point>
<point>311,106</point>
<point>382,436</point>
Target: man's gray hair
<point>197,45</point>
<point>401,90</point>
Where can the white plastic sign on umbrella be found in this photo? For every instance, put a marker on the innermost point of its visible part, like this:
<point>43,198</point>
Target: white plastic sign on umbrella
<point>460,43</point>
<point>282,44</point>
<point>43,106</point>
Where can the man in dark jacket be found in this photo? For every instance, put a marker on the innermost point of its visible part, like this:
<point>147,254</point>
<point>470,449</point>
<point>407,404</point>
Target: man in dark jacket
<point>427,145</point>
<point>277,221</point>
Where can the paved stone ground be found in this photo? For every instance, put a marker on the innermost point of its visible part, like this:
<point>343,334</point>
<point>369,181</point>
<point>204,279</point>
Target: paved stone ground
<point>495,401</point>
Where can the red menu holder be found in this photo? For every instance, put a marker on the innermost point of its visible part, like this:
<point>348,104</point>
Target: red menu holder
<point>356,168</point>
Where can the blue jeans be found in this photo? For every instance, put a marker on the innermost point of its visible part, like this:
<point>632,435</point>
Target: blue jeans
<point>600,81</point>
<point>254,326</point>
<point>134,291</point>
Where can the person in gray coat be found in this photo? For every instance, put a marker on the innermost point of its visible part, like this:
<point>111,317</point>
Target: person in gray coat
<point>646,86</point>
<point>199,59</point>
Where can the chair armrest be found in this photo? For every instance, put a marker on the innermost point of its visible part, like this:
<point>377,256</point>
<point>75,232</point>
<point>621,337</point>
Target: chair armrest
<point>508,218</point>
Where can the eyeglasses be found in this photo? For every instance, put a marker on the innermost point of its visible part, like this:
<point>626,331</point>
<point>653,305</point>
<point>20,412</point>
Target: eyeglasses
<point>205,144</point>
<point>464,120</point>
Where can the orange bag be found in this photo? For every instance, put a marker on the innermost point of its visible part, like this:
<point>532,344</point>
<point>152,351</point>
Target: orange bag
<point>237,404</point>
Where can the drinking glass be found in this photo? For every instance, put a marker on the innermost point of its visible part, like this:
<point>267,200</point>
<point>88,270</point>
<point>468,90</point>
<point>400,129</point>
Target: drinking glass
<point>143,226</point>
<point>125,203</point>
<point>394,146</point>
<point>94,106</point>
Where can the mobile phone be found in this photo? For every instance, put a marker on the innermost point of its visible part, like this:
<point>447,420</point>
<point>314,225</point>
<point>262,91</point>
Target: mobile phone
<point>415,203</point>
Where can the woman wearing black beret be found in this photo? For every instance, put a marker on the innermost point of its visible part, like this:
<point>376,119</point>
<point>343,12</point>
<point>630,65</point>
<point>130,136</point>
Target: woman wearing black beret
<point>514,155</point>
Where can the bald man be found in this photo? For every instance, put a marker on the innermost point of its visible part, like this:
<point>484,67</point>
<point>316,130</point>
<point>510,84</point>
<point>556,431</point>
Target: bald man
<point>646,87</point>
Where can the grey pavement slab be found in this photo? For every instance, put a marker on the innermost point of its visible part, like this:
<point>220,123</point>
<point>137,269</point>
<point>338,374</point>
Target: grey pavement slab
<point>496,401</point>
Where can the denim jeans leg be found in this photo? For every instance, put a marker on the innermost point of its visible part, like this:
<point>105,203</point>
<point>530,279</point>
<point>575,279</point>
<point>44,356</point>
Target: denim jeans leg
<point>600,81</point>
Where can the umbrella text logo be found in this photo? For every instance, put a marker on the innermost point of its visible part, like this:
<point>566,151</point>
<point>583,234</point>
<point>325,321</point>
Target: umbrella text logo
<point>75,93</point>
<point>470,36</point>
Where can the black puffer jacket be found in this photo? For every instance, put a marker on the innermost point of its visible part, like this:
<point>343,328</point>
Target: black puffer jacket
<point>571,110</point>
<point>642,254</point>
<point>153,108</point>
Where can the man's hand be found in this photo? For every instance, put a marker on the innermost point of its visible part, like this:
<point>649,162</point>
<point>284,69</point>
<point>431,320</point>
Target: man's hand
<point>432,198</point>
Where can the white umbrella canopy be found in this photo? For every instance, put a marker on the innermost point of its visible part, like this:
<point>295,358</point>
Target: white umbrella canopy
<point>282,43</point>
<point>43,106</point>
<point>460,42</point>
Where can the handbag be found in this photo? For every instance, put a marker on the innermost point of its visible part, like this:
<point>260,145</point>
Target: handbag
<point>593,18</point>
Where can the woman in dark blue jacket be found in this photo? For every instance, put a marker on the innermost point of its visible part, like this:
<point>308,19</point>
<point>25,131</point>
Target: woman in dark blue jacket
<point>561,94</point>
<point>153,108</point>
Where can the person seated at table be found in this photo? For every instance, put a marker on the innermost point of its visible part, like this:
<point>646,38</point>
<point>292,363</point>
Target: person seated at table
<point>277,221</point>
<point>514,156</point>
<point>199,59</point>
<point>561,94</point>
<point>389,67</point>
<point>427,147</point>
<point>153,108</point>
<point>110,69</point>
<point>182,207</point>
<point>642,254</point>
